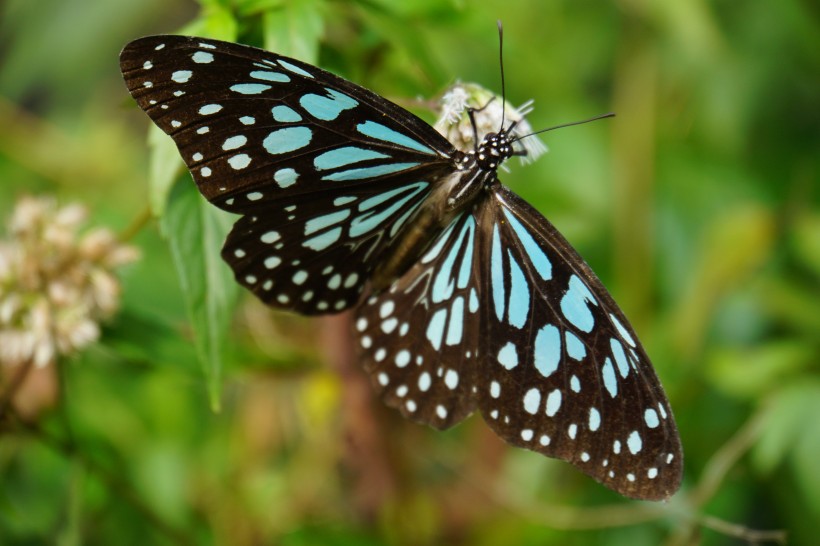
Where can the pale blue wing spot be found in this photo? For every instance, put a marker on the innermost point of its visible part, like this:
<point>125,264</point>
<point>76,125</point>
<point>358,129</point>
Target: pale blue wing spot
<point>269,76</point>
<point>465,273</point>
<point>239,161</point>
<point>383,197</point>
<point>385,134</point>
<point>651,418</point>
<point>287,140</point>
<point>182,76</point>
<point>497,275</point>
<point>519,306</point>
<point>345,156</point>
<point>553,402</point>
<point>285,177</point>
<point>369,221</point>
<point>621,330</point>
<point>299,277</point>
<point>575,349</point>
<point>285,114</point>
<point>547,350</point>
<point>234,142</point>
<point>534,251</point>
<point>444,283</point>
<point>435,329</point>
<point>368,172</point>
<point>209,109</point>
<point>295,69</point>
<point>246,120</point>
<point>620,356</point>
<point>327,108</point>
<point>402,358</point>
<point>272,262</point>
<point>201,57</point>
<point>594,419</point>
<point>270,237</point>
<point>473,300</point>
<point>608,374</point>
<point>456,326</point>
<point>205,45</point>
<point>574,305</point>
<point>508,356</point>
<point>321,242</point>
<point>340,201</point>
<point>575,383</point>
<point>532,400</point>
<point>325,221</point>
<point>634,442</point>
<point>249,88</point>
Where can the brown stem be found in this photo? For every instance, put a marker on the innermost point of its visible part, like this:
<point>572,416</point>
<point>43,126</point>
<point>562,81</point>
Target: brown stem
<point>367,453</point>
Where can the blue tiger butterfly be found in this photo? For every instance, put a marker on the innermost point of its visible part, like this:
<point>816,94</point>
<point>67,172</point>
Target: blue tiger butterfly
<point>465,296</point>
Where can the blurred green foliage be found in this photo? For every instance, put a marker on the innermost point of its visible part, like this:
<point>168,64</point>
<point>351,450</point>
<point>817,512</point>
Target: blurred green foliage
<point>697,206</point>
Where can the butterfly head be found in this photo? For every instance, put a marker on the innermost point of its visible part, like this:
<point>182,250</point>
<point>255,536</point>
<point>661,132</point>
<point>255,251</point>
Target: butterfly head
<point>494,149</point>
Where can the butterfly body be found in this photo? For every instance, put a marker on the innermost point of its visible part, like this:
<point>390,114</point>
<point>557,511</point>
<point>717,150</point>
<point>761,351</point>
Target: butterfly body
<point>466,297</point>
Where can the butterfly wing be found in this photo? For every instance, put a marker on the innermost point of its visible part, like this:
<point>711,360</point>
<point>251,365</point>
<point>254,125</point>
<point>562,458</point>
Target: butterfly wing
<point>564,372</point>
<point>420,337</point>
<point>507,318</point>
<point>325,172</point>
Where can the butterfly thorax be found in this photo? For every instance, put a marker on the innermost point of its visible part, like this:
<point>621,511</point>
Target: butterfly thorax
<point>494,149</point>
<point>454,193</point>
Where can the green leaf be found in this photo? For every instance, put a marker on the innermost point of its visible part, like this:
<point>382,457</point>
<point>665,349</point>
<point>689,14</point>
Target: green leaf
<point>196,230</point>
<point>786,432</point>
<point>750,372</point>
<point>295,29</point>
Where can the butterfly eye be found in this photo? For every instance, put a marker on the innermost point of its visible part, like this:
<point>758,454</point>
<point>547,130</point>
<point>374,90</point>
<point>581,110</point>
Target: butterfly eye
<point>466,298</point>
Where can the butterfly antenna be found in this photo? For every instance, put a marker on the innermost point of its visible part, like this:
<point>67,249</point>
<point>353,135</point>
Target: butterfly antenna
<point>501,64</point>
<point>595,118</point>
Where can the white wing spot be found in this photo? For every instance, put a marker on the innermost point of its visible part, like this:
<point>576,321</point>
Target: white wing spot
<point>424,382</point>
<point>402,358</point>
<point>532,399</point>
<point>652,473</point>
<point>380,353</point>
<point>451,379</point>
<point>495,389</point>
<point>572,431</point>
<point>526,434</point>
<point>441,411</point>
<point>401,391</point>
<point>544,440</point>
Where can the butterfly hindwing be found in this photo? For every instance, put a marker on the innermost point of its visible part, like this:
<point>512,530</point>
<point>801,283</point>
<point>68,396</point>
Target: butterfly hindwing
<point>324,171</point>
<point>314,254</point>
<point>419,337</point>
<point>565,374</point>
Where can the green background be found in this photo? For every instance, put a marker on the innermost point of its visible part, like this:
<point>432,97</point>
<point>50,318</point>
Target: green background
<point>697,206</point>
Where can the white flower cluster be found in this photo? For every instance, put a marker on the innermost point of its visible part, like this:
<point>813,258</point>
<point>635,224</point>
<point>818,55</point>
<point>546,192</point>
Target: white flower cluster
<point>55,284</point>
<point>454,122</point>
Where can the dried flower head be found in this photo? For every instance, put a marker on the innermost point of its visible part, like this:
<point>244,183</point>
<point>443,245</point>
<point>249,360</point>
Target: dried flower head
<point>454,122</point>
<point>56,284</point>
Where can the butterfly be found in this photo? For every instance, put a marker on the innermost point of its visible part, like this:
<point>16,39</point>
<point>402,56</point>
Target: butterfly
<point>466,297</point>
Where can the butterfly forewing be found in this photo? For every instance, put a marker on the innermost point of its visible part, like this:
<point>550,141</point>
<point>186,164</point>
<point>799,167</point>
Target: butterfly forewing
<point>324,171</point>
<point>564,373</point>
<point>419,338</point>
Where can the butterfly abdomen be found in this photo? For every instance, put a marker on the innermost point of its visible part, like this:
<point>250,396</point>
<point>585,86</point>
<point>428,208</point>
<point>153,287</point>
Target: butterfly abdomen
<point>453,194</point>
